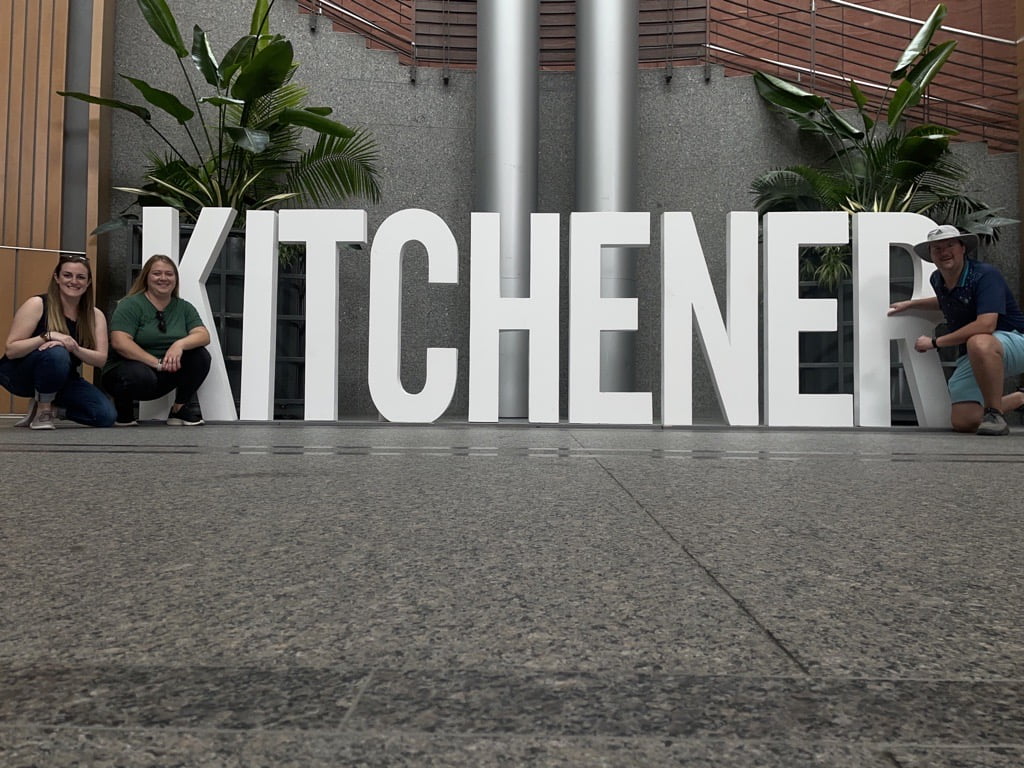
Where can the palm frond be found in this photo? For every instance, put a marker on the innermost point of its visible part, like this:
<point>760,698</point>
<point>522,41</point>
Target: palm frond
<point>335,168</point>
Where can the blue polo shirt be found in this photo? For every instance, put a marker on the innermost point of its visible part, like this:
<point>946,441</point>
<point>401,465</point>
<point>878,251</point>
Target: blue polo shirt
<point>980,290</point>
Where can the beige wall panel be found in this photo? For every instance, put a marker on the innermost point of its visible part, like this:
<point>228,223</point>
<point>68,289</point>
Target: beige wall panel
<point>33,55</point>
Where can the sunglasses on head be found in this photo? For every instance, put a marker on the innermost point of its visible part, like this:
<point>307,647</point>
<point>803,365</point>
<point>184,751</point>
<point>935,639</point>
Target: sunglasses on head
<point>161,323</point>
<point>66,257</point>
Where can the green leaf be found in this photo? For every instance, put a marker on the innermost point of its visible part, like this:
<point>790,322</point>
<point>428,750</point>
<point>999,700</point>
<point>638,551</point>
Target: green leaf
<point>861,101</point>
<point>910,91</point>
<point>336,168</point>
<point>260,24</point>
<point>238,55</point>
<point>932,130</point>
<point>920,42</point>
<point>839,125</point>
<point>319,110</point>
<point>136,110</point>
<point>308,119</point>
<point>161,21</point>
<point>268,70</point>
<point>163,100</point>
<point>786,95</point>
<point>248,139</point>
<point>221,101</point>
<point>118,222</point>
<point>203,58</point>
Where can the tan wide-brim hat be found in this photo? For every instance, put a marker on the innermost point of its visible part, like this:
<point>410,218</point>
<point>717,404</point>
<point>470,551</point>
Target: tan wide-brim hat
<point>947,232</point>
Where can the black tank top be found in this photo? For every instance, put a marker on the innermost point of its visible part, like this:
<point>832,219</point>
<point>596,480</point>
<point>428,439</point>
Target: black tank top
<point>41,328</point>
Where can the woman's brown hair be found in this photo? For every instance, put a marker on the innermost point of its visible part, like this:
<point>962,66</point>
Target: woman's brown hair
<point>86,304</point>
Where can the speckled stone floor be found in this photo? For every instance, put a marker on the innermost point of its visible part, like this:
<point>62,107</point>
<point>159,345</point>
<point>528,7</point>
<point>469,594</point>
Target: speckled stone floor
<point>456,595</point>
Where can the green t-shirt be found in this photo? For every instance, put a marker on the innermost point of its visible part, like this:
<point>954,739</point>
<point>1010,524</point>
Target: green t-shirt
<point>136,316</point>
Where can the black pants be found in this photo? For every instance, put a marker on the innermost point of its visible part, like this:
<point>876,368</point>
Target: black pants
<point>131,381</point>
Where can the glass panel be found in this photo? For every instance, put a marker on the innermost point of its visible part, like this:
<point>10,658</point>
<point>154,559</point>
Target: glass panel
<point>817,381</point>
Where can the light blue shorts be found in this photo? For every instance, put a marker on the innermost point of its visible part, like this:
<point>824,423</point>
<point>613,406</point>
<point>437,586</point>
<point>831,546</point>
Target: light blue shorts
<point>962,386</point>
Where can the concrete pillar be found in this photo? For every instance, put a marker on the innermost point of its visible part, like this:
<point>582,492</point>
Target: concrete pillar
<point>508,61</point>
<point>607,51</point>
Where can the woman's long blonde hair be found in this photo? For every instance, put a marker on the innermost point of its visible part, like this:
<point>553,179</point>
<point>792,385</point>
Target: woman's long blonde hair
<point>86,304</point>
<point>141,282</point>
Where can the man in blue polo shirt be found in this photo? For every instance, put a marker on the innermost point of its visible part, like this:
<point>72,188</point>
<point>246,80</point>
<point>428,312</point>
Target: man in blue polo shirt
<point>981,315</point>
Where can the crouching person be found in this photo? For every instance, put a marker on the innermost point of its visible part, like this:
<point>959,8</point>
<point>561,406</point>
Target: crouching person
<point>51,335</point>
<point>159,344</point>
<point>984,320</point>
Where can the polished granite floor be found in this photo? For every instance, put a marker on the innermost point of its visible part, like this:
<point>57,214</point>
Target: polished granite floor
<point>455,595</point>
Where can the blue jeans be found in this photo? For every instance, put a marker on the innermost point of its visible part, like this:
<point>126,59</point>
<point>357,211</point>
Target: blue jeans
<point>51,376</point>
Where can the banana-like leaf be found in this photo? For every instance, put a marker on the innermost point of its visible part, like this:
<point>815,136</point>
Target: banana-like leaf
<point>861,101</point>
<point>308,119</point>
<point>203,58</point>
<point>268,70</point>
<point>140,112</point>
<point>221,101</point>
<point>919,43</point>
<point>248,139</point>
<point>910,91</point>
<point>236,57</point>
<point>840,126</point>
<point>260,24</point>
<point>163,100</point>
<point>162,22</point>
<point>118,222</point>
<point>785,95</point>
<point>930,130</point>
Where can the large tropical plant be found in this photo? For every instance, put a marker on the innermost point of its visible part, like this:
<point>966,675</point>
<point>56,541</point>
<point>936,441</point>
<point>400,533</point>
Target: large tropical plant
<point>879,165</point>
<point>242,142</point>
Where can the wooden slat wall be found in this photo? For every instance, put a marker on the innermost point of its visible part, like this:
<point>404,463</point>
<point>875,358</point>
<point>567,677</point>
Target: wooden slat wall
<point>33,55</point>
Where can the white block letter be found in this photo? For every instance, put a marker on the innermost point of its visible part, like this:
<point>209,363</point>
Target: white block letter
<point>873,234</point>
<point>385,353</point>
<point>687,294</point>
<point>259,316</point>
<point>490,314</point>
<point>786,315</point>
<point>589,314</point>
<point>321,231</point>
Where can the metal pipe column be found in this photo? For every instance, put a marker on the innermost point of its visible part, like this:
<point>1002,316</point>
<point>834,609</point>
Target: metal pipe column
<point>607,51</point>
<point>508,62</point>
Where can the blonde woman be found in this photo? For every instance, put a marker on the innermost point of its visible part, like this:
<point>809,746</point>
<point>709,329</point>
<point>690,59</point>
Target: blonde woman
<point>52,334</point>
<point>159,343</point>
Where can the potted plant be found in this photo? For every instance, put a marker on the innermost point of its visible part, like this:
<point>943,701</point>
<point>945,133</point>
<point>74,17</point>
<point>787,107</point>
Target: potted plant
<point>243,139</point>
<point>882,166</point>
<point>248,141</point>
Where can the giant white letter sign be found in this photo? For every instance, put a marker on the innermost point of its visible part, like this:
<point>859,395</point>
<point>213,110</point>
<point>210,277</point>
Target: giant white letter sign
<point>161,234</point>
<point>385,353</point>
<point>786,315</point>
<point>490,313</point>
<point>321,231</point>
<point>687,294</point>
<point>873,233</point>
<point>259,318</point>
<point>590,313</point>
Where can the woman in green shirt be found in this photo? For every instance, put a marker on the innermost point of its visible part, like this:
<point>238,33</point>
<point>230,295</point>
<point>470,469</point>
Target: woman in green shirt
<point>159,341</point>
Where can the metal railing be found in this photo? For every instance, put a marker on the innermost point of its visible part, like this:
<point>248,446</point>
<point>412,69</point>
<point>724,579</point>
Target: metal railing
<point>821,44</point>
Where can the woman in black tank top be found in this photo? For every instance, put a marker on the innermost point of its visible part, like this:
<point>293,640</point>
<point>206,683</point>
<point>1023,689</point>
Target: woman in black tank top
<point>51,336</point>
